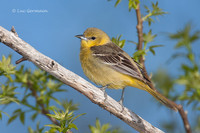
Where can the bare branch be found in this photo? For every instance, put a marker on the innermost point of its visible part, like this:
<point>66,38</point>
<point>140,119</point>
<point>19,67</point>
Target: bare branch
<point>76,82</point>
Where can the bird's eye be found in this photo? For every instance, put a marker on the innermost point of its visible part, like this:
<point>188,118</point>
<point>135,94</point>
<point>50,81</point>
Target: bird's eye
<point>93,38</point>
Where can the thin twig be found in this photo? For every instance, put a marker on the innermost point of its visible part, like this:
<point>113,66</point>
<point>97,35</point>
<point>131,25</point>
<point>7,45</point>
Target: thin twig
<point>14,31</point>
<point>23,58</point>
<point>184,118</point>
<point>140,33</point>
<point>20,60</point>
<point>69,78</point>
<point>180,109</point>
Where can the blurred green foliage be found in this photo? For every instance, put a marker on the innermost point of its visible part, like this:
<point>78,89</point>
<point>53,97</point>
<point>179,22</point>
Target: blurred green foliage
<point>105,128</point>
<point>190,76</point>
<point>65,119</point>
<point>37,84</point>
<point>156,11</point>
<point>7,94</point>
<point>189,79</point>
<point>38,129</point>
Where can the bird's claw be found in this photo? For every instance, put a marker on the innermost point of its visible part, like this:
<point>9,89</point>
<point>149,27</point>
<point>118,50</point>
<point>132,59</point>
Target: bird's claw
<point>103,89</point>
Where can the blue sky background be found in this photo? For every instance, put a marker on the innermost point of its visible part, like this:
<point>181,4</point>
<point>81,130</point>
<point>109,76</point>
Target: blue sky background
<point>52,33</point>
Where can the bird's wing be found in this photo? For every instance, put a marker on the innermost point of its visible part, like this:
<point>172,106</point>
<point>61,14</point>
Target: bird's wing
<point>142,71</point>
<point>116,58</point>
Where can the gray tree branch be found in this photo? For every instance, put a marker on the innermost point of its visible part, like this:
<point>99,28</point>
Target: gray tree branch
<point>69,78</point>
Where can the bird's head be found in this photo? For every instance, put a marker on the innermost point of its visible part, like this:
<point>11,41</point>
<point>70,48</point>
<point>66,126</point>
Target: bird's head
<point>93,37</point>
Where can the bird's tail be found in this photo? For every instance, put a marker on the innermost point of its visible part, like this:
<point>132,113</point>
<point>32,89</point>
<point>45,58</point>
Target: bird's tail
<point>162,98</point>
<point>158,96</point>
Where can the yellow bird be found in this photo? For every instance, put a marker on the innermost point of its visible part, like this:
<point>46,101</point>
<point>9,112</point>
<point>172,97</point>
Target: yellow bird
<point>106,64</point>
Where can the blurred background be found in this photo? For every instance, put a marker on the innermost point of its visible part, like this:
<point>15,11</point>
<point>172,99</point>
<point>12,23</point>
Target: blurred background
<point>52,33</point>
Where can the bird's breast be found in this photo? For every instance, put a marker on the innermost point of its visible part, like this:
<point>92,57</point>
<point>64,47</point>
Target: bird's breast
<point>102,74</point>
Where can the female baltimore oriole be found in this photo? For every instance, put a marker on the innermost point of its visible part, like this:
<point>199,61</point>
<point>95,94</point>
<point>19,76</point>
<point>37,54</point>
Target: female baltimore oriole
<point>106,64</point>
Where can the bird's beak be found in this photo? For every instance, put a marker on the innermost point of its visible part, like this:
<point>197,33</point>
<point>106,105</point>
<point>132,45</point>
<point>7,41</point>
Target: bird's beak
<point>82,37</point>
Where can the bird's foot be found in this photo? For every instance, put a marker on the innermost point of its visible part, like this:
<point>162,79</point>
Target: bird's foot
<point>121,103</point>
<point>103,89</point>
<point>122,100</point>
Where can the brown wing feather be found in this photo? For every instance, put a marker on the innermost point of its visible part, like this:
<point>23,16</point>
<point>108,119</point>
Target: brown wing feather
<point>142,71</point>
<point>112,55</point>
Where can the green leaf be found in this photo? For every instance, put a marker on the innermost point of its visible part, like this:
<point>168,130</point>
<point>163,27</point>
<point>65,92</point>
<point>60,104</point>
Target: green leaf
<point>139,53</point>
<point>117,2</point>
<point>118,42</point>
<point>182,81</point>
<point>183,97</point>
<point>133,4</point>
<point>8,99</point>
<point>133,42</point>
<point>11,119</point>
<point>185,68</point>
<point>17,111</point>
<point>69,105</point>
<point>72,125</point>
<point>150,20</point>
<point>77,116</point>
<point>34,116</point>
<point>98,125</point>
<point>92,129</point>
<point>53,126</point>
<point>156,11</point>
<point>151,48</point>
<point>0,115</point>
<point>152,51</point>
<point>190,57</point>
<point>184,37</point>
<point>66,118</point>
<point>148,37</point>
<point>22,115</point>
<point>3,113</point>
<point>30,130</point>
<point>6,67</point>
<point>105,127</point>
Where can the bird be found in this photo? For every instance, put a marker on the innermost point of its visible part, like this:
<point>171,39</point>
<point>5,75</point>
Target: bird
<point>106,64</point>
